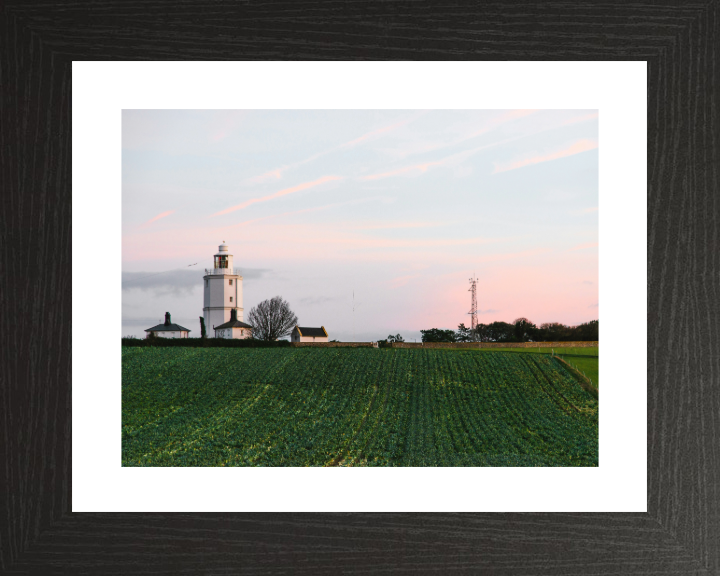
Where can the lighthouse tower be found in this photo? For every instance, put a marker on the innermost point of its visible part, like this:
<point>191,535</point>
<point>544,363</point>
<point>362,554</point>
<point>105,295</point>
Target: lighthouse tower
<point>222,290</point>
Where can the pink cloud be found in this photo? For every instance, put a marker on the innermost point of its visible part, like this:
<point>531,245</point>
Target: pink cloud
<point>292,213</point>
<point>452,160</point>
<point>580,146</point>
<point>277,173</point>
<point>156,218</point>
<point>284,192</point>
<point>421,168</point>
<point>271,175</point>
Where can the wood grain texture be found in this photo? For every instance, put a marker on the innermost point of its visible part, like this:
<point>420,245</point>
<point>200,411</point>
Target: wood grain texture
<point>680,534</point>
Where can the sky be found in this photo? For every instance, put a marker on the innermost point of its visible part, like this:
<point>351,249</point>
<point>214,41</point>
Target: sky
<point>368,222</point>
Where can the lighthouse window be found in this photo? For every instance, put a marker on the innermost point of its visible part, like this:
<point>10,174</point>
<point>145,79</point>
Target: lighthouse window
<point>230,282</point>
<point>230,298</point>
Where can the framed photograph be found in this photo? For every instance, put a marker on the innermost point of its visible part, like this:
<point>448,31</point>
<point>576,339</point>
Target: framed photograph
<point>338,325</point>
<point>648,505</point>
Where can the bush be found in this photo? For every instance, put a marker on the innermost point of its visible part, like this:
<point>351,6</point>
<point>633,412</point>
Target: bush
<point>199,342</point>
<point>437,335</point>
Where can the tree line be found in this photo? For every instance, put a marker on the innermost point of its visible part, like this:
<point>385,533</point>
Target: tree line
<point>521,330</point>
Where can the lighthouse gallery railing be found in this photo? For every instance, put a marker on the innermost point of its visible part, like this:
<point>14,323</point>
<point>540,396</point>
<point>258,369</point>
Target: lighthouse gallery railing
<point>231,271</point>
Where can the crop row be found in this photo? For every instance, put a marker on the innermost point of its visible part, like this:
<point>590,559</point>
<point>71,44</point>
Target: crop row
<point>352,407</point>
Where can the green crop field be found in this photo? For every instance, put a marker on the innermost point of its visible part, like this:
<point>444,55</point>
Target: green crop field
<point>352,407</point>
<point>584,359</point>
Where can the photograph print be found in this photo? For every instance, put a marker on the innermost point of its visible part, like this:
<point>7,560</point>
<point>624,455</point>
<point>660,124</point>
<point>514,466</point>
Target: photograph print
<point>360,288</point>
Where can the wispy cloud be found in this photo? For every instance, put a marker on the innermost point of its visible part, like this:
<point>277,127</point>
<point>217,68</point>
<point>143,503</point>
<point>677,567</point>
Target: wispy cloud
<point>277,173</point>
<point>174,282</point>
<point>304,211</point>
<point>580,146</point>
<point>584,246</point>
<point>419,168</point>
<point>384,130</point>
<point>452,160</point>
<point>590,210</point>
<point>467,134</point>
<point>394,225</point>
<point>284,192</point>
<point>593,305</point>
<point>272,175</point>
<point>509,255</point>
<point>493,123</point>
<point>156,218</point>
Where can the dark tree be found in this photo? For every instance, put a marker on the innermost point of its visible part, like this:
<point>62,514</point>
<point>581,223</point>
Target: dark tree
<point>500,332</point>
<point>463,334</point>
<point>524,330</point>
<point>271,319</point>
<point>437,335</point>
<point>482,333</point>
<point>587,332</point>
<point>555,332</point>
<point>203,332</point>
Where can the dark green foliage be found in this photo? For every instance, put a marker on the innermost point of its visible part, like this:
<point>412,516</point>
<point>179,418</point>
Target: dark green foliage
<point>203,332</point>
<point>523,330</point>
<point>352,407</point>
<point>463,334</point>
<point>437,335</point>
<point>589,331</point>
<point>206,342</point>
<point>499,332</point>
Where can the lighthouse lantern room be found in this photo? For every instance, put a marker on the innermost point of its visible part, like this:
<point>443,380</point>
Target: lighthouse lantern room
<point>222,290</point>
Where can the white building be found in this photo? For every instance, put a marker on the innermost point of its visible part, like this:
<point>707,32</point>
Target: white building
<point>233,329</point>
<point>168,329</point>
<point>300,334</point>
<point>222,291</point>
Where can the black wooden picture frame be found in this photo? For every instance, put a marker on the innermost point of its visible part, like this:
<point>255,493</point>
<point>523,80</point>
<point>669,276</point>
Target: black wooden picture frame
<point>680,533</point>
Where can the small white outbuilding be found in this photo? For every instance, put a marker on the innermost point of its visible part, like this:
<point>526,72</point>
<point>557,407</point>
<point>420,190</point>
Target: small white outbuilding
<point>234,328</point>
<point>305,334</point>
<point>168,329</point>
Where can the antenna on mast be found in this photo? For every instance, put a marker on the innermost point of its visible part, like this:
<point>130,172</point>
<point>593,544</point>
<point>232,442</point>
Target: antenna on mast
<point>473,308</point>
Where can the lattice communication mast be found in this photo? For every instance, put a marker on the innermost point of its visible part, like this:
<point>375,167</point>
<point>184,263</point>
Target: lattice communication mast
<point>473,308</point>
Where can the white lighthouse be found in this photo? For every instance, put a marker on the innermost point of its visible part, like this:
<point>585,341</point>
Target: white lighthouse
<point>222,291</point>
